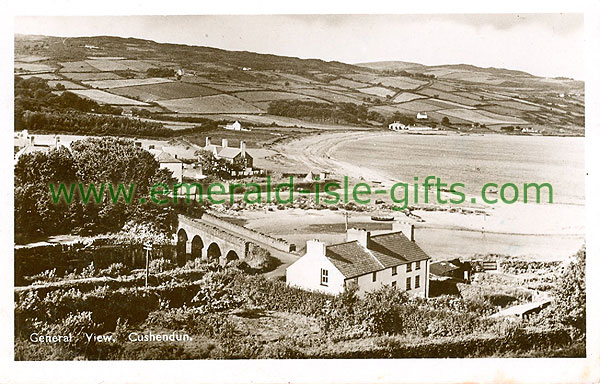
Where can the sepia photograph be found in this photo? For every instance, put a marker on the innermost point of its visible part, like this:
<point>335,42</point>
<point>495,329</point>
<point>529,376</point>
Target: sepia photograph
<point>278,187</point>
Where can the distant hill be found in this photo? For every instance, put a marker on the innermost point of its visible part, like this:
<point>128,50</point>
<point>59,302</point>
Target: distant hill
<point>406,65</point>
<point>178,81</point>
<point>391,65</point>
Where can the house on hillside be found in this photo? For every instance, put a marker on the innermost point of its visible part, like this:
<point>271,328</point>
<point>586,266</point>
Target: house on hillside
<point>396,126</point>
<point>231,154</point>
<point>25,143</point>
<point>180,152</point>
<point>365,261</point>
<point>422,116</point>
<point>235,126</point>
<point>167,161</point>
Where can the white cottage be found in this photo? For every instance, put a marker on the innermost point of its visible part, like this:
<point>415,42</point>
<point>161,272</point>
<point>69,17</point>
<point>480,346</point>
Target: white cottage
<point>364,260</point>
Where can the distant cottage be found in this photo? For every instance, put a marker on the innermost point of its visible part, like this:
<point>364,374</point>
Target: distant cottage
<point>365,261</point>
<point>422,116</point>
<point>235,126</point>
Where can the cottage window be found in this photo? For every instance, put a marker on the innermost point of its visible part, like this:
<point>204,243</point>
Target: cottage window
<point>394,271</point>
<point>418,265</point>
<point>408,267</point>
<point>374,276</point>
<point>324,277</point>
<point>417,281</point>
<point>408,283</point>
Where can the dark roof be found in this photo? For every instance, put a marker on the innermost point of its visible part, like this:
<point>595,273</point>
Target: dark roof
<point>382,252</point>
<point>352,259</point>
<point>441,268</point>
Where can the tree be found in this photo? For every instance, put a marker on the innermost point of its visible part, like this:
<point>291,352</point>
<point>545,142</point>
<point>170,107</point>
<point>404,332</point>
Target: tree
<point>570,295</point>
<point>446,121</point>
<point>97,161</point>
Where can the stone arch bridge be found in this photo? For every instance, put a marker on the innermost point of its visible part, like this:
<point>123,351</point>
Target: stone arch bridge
<point>215,239</point>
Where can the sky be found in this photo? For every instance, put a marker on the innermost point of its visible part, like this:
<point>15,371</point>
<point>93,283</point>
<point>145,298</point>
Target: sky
<point>541,44</point>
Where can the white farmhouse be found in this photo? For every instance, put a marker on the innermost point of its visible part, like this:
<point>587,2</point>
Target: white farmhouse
<point>364,260</point>
<point>421,115</point>
<point>396,126</point>
<point>235,126</point>
<point>167,161</point>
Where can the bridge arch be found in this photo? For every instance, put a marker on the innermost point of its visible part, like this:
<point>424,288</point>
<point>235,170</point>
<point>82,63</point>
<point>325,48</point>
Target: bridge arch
<point>197,247</point>
<point>232,256</point>
<point>213,252</point>
<point>182,239</point>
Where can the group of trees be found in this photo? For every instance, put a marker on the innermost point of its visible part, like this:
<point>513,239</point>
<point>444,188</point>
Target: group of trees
<point>160,72</point>
<point>34,94</point>
<point>89,124</point>
<point>98,161</point>
<point>334,113</point>
<point>38,109</point>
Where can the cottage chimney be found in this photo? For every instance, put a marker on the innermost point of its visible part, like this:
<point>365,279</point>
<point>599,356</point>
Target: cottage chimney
<point>57,142</point>
<point>243,148</point>
<point>408,229</point>
<point>207,141</point>
<point>224,143</point>
<point>359,234</point>
<point>315,247</point>
<point>31,140</point>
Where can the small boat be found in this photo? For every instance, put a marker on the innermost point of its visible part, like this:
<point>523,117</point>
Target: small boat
<point>382,218</point>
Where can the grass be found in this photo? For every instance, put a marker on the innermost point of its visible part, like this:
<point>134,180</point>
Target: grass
<point>406,96</point>
<point>210,105</point>
<point>90,76</point>
<point>77,66</point>
<point>107,84</point>
<point>163,91</point>
<point>103,97</point>
<point>253,96</point>
<point>377,91</point>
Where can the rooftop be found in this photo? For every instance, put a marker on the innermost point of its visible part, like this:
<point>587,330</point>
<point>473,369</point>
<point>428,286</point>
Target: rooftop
<point>382,251</point>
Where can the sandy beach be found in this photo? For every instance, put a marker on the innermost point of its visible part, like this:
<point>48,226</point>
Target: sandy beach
<point>541,231</point>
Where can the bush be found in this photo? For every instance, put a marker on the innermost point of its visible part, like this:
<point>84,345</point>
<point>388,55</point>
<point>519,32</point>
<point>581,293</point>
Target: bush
<point>161,265</point>
<point>114,270</point>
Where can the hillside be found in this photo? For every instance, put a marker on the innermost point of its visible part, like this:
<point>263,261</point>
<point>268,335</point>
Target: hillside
<point>175,80</point>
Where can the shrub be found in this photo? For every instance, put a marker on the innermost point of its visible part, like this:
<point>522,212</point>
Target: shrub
<point>161,265</point>
<point>114,270</point>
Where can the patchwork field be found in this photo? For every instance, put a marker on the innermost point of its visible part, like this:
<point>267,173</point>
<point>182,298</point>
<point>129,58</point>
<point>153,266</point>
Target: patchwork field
<point>481,117</point>
<point>232,87</point>
<point>444,104</point>
<point>399,82</point>
<point>65,83</point>
<point>348,83</point>
<point>474,77</point>
<point>419,106</point>
<point>377,91</point>
<point>107,65</point>
<point>108,84</point>
<point>256,96</point>
<point>449,97</point>
<point>334,97</point>
<point>77,66</point>
<point>406,96</point>
<point>103,97</point>
<point>32,67</point>
<point>45,76</point>
<point>163,91</point>
<point>210,105</point>
<point>91,76</point>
